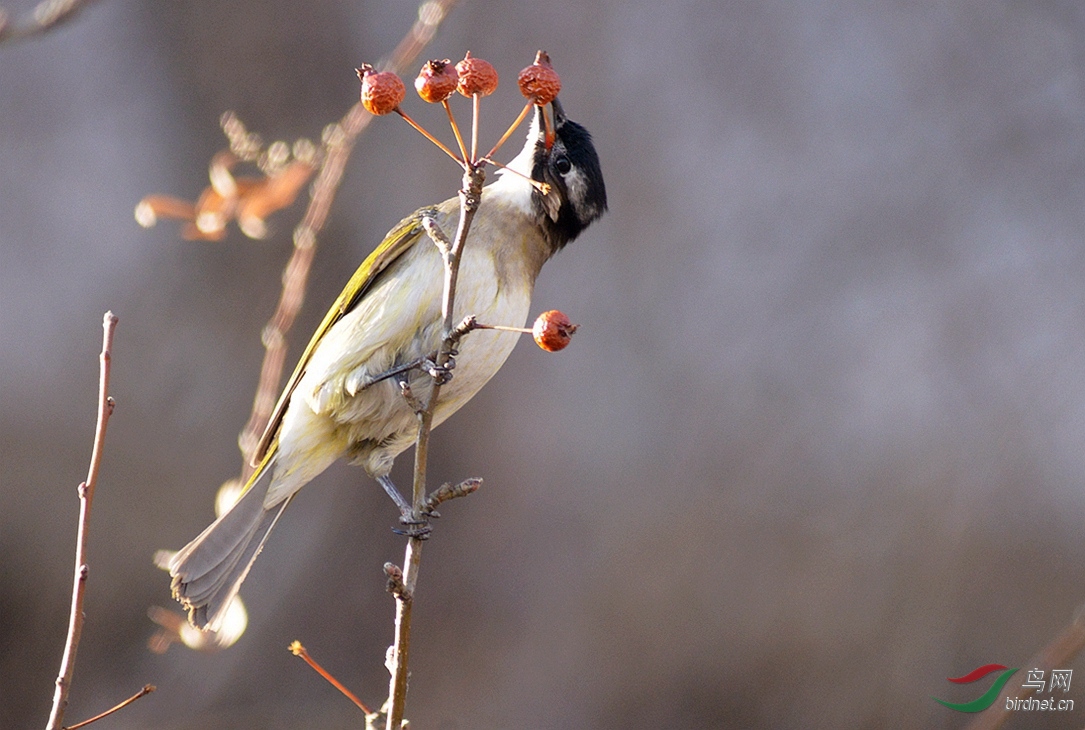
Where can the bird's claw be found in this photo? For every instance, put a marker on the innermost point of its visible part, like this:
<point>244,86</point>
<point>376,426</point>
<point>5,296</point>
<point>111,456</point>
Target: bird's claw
<point>414,527</point>
<point>441,374</point>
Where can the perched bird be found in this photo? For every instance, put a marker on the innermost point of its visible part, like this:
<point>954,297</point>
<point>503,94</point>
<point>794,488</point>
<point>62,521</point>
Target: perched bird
<point>340,402</point>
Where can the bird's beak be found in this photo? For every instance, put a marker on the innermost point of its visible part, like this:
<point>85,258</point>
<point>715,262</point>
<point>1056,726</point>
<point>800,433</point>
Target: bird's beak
<point>546,128</point>
<point>551,128</point>
<point>559,113</point>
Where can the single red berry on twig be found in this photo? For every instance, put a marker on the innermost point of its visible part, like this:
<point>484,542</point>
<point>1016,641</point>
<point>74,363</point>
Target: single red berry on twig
<point>539,81</point>
<point>382,91</point>
<point>436,81</point>
<point>476,76</point>
<point>553,330</point>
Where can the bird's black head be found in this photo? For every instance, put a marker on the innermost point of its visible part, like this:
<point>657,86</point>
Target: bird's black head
<point>566,160</point>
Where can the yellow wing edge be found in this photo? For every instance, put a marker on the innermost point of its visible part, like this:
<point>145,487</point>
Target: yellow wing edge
<point>398,240</point>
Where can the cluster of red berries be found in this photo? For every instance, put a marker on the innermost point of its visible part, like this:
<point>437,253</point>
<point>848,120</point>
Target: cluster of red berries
<point>383,91</point>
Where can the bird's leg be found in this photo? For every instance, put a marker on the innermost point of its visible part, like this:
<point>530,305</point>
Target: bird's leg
<point>394,371</point>
<point>440,373</point>
<point>412,526</point>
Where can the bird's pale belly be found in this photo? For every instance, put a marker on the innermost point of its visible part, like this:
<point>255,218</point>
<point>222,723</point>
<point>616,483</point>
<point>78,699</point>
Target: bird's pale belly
<point>371,423</point>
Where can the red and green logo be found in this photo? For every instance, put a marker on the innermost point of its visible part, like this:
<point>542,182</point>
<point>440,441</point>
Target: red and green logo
<point>987,698</point>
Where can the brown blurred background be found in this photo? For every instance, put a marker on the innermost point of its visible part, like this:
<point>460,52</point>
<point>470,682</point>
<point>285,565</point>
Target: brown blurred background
<point>817,447</point>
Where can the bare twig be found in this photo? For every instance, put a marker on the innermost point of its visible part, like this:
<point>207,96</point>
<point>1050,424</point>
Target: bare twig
<point>449,491</point>
<point>339,143</point>
<point>298,650</point>
<point>147,689</point>
<point>46,15</point>
<point>455,128</point>
<point>470,196</point>
<point>86,498</point>
<point>422,130</point>
<point>509,131</point>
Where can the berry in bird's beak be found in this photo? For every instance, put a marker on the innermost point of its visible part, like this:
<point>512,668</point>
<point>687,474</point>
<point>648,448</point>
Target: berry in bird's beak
<point>539,82</point>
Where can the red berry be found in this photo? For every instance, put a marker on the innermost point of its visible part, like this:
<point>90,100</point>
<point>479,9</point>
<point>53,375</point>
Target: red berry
<point>476,76</point>
<point>553,331</point>
<point>436,81</point>
<point>539,81</point>
<point>382,91</point>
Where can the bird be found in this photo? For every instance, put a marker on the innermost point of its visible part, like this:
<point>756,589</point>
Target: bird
<point>340,401</point>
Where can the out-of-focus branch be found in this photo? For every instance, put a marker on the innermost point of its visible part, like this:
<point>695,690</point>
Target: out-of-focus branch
<point>1060,652</point>
<point>339,143</point>
<point>46,15</point>
<point>86,499</point>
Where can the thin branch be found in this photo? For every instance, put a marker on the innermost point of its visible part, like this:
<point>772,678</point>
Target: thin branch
<point>147,689</point>
<point>510,130</point>
<point>46,15</point>
<point>340,143</point>
<point>475,98</point>
<point>422,130</point>
<point>86,498</point>
<point>449,491</point>
<point>455,128</point>
<point>298,650</point>
<point>470,196</point>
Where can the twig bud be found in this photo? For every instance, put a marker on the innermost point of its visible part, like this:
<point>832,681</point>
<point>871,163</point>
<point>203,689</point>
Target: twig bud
<point>395,582</point>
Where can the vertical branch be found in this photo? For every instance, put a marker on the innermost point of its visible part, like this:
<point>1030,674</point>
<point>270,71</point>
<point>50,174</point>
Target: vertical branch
<point>470,196</point>
<point>86,498</point>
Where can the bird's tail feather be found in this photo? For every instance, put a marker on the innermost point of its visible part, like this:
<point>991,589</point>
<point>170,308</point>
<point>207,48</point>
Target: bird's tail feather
<point>209,570</point>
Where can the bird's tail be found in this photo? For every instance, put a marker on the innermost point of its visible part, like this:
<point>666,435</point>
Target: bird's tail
<point>209,570</point>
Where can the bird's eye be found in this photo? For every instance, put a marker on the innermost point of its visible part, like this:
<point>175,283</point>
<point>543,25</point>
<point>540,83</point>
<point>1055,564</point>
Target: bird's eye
<point>562,165</point>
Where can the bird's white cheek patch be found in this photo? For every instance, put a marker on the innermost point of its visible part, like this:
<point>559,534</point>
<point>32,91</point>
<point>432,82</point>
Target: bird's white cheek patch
<point>576,186</point>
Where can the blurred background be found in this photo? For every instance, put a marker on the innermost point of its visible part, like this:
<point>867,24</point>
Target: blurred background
<point>817,447</point>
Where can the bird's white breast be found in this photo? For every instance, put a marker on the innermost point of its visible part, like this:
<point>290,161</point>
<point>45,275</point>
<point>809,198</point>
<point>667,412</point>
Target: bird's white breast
<point>337,410</point>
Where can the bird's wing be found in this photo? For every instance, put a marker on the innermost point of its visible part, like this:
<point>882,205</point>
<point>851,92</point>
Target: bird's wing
<point>398,240</point>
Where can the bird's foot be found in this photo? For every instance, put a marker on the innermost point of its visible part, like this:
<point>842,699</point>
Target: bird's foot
<point>413,526</point>
<point>417,527</point>
<point>441,374</point>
